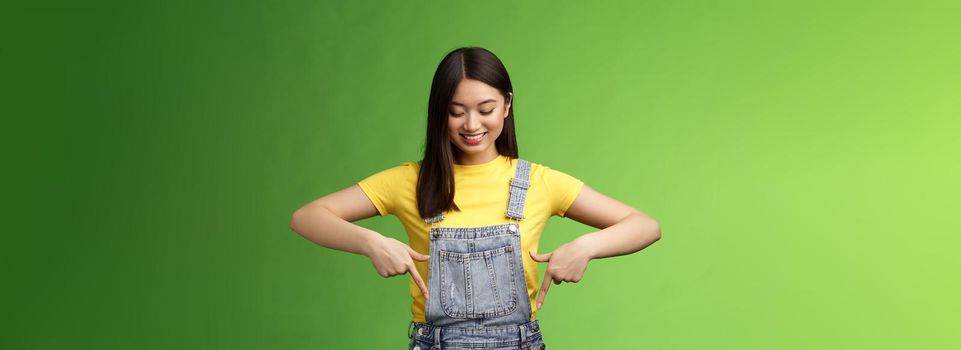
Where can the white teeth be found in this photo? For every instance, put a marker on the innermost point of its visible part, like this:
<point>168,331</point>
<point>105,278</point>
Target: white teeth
<point>476,137</point>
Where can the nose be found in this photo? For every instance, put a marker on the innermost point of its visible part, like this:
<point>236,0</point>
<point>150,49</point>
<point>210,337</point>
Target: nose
<point>472,123</point>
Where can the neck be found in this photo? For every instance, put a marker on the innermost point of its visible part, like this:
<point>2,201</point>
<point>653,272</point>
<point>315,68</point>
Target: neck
<point>473,159</point>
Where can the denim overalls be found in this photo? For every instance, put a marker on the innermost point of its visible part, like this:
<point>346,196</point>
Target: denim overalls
<point>478,294</point>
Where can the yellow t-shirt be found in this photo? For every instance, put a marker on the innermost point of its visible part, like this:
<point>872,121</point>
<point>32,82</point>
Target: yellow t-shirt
<point>481,193</point>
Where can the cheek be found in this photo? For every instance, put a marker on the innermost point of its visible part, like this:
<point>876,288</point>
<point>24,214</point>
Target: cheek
<point>496,128</point>
<point>498,123</point>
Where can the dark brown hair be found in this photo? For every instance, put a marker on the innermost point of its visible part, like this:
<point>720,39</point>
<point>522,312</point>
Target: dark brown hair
<point>435,182</point>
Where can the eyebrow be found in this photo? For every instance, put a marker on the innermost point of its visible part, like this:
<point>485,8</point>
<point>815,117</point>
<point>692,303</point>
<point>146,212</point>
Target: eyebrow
<point>483,102</point>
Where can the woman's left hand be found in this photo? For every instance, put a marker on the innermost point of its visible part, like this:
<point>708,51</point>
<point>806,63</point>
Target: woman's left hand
<point>565,264</point>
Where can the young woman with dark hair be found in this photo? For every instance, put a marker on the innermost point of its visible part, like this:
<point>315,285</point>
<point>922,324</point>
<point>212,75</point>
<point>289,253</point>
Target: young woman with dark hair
<point>474,211</point>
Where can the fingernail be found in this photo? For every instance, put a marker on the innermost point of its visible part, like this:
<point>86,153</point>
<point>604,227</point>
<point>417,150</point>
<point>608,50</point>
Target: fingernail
<point>539,305</point>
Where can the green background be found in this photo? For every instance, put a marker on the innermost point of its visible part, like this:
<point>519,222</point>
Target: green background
<point>801,157</point>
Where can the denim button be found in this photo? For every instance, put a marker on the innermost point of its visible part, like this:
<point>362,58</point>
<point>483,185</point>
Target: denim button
<point>420,331</point>
<point>416,348</point>
<point>512,228</point>
<point>540,347</point>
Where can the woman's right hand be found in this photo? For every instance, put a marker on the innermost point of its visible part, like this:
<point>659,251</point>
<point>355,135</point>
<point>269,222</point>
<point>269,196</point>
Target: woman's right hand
<point>392,257</point>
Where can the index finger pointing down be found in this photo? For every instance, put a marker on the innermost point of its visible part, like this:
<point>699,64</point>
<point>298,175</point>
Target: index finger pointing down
<point>420,282</point>
<point>544,286</point>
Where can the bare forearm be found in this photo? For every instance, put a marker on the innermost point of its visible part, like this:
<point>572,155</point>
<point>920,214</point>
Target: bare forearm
<point>633,233</point>
<point>319,225</point>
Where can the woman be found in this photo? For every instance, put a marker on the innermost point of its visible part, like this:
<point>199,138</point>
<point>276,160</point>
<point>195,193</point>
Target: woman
<point>474,212</point>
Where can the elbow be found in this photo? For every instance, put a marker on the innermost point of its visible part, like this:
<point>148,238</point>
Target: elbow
<point>655,231</point>
<point>305,216</point>
<point>649,226</point>
<point>297,219</point>
<point>293,224</point>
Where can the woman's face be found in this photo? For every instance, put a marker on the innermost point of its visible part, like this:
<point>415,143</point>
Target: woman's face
<point>475,120</point>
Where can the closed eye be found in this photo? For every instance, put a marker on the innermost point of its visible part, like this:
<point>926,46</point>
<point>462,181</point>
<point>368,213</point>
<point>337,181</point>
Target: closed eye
<point>462,113</point>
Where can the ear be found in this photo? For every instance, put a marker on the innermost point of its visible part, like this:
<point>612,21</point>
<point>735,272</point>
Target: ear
<point>507,106</point>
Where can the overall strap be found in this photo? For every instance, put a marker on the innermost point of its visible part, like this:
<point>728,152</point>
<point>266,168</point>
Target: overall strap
<point>435,218</point>
<point>519,185</point>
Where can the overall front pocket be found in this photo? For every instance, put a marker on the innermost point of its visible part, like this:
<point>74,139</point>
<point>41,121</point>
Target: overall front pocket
<point>478,285</point>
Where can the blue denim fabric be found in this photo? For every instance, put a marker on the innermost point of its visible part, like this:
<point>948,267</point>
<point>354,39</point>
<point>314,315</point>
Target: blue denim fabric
<point>478,296</point>
<point>526,336</point>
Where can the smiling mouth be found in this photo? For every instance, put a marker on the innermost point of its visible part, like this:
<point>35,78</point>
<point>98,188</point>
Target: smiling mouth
<point>474,138</point>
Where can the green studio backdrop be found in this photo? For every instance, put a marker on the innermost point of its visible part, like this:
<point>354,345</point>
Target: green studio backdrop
<point>802,159</point>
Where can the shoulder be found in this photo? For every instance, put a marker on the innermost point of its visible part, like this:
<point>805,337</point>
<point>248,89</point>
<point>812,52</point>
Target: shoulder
<point>551,177</point>
<point>407,168</point>
<point>404,169</point>
<point>560,187</point>
<point>541,169</point>
<point>401,173</point>
<point>389,188</point>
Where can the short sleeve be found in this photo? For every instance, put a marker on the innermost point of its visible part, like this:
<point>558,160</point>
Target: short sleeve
<point>382,188</point>
<point>563,189</point>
